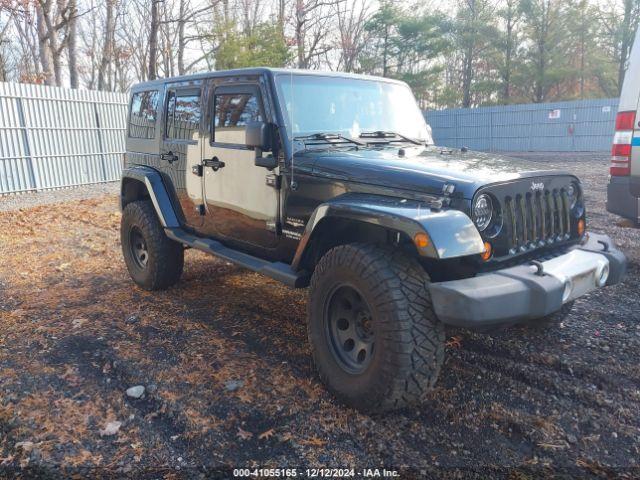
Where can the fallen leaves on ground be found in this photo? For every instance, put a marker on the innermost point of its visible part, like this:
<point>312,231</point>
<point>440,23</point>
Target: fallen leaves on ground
<point>76,333</point>
<point>243,434</point>
<point>266,435</point>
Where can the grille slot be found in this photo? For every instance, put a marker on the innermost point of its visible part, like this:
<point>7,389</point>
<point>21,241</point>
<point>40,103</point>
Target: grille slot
<point>536,219</point>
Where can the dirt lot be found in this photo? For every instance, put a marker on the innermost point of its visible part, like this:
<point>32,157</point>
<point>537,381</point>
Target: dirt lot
<point>229,380</point>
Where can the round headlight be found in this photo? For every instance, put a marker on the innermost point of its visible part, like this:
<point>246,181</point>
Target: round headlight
<point>572,193</point>
<point>482,211</point>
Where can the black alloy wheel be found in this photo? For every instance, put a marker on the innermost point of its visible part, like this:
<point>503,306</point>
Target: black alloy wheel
<point>349,329</point>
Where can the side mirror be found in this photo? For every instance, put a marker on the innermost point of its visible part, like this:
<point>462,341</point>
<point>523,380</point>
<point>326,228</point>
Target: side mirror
<point>259,136</point>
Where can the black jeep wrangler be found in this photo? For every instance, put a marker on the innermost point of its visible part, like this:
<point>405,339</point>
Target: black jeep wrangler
<point>331,181</point>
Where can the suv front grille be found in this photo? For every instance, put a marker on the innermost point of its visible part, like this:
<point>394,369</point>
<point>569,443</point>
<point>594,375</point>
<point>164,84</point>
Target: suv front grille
<point>536,219</point>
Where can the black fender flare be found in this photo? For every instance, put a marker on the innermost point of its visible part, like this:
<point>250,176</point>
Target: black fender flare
<point>451,232</point>
<point>152,179</point>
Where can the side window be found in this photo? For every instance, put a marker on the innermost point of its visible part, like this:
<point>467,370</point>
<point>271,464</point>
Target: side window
<point>142,117</point>
<point>231,114</point>
<point>183,115</point>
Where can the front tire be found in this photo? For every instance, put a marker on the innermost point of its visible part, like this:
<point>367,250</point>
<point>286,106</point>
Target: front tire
<point>154,261</point>
<point>376,341</point>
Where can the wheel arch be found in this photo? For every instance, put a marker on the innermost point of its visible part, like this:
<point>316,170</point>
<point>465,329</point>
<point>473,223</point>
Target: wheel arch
<point>376,219</point>
<point>333,231</point>
<point>140,183</point>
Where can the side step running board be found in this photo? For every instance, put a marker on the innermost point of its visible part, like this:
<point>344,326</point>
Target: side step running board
<point>279,271</point>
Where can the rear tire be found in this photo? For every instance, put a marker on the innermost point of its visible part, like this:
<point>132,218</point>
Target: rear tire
<point>154,261</point>
<point>376,341</point>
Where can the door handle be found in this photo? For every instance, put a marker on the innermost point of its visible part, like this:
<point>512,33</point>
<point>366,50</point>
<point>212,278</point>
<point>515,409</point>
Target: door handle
<point>169,157</point>
<point>214,163</point>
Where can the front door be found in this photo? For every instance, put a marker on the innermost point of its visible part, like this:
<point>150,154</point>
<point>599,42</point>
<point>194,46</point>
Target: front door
<point>241,198</point>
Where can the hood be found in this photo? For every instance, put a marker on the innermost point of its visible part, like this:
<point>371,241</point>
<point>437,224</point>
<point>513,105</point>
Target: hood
<point>422,169</point>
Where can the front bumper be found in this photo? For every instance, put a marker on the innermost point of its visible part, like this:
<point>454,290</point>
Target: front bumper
<point>527,292</point>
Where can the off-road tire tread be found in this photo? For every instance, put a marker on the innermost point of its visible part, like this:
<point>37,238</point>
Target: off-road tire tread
<point>409,324</point>
<point>166,260</point>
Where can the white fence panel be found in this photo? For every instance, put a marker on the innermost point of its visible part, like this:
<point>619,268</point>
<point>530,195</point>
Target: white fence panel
<point>54,137</point>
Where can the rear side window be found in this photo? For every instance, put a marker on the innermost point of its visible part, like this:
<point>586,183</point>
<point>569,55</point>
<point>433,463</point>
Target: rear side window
<point>142,118</point>
<point>232,113</point>
<point>183,115</point>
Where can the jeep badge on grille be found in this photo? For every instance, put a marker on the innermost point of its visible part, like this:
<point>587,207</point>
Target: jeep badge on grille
<point>537,186</point>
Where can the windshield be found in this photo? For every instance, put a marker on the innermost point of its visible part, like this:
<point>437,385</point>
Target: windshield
<point>349,106</point>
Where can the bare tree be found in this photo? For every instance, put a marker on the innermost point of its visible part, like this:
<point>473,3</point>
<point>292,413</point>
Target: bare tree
<point>44,48</point>
<point>153,39</point>
<point>5,66</point>
<point>23,20</point>
<point>510,16</point>
<point>72,51</point>
<point>182,22</point>
<point>281,15</point>
<point>107,46</point>
<point>352,33</point>
<point>311,25</point>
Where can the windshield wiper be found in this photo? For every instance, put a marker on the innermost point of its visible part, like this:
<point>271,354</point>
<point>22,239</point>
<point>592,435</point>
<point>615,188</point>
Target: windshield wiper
<point>327,138</point>
<point>390,136</point>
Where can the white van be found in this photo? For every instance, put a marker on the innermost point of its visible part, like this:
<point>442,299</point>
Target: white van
<point>623,191</point>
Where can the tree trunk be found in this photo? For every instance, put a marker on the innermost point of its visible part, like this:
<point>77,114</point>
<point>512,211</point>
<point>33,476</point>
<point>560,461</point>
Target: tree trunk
<point>625,43</point>
<point>71,44</point>
<point>541,74</point>
<point>508,54</point>
<point>181,39</point>
<point>44,51</point>
<point>385,52</point>
<point>107,48</point>
<point>300,21</point>
<point>153,40</point>
<point>469,55</point>
<point>583,47</point>
<point>52,34</point>
<point>281,9</point>
<point>467,77</point>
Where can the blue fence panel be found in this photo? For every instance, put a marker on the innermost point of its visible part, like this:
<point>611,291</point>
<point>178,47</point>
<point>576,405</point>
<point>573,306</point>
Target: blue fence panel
<point>577,126</point>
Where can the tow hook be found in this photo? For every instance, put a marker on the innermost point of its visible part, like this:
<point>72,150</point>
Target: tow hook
<point>605,245</point>
<point>539,268</point>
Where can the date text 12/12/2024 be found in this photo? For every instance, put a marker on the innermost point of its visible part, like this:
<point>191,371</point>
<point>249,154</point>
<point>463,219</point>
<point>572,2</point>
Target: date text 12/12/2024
<point>315,473</point>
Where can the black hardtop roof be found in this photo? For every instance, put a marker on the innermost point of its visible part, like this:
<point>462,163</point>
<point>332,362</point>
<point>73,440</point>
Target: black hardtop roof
<point>257,71</point>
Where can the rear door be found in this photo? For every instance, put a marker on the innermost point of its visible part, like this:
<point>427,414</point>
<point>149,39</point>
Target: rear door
<point>242,199</point>
<point>181,148</point>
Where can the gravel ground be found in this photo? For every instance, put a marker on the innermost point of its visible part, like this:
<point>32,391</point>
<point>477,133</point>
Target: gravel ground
<point>229,381</point>
<point>46,197</point>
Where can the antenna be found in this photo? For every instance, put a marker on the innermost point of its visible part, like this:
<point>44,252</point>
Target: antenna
<point>294,185</point>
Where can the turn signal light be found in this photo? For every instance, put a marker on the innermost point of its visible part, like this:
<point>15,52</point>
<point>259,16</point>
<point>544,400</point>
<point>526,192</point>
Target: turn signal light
<point>488,251</point>
<point>581,227</point>
<point>421,240</point>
